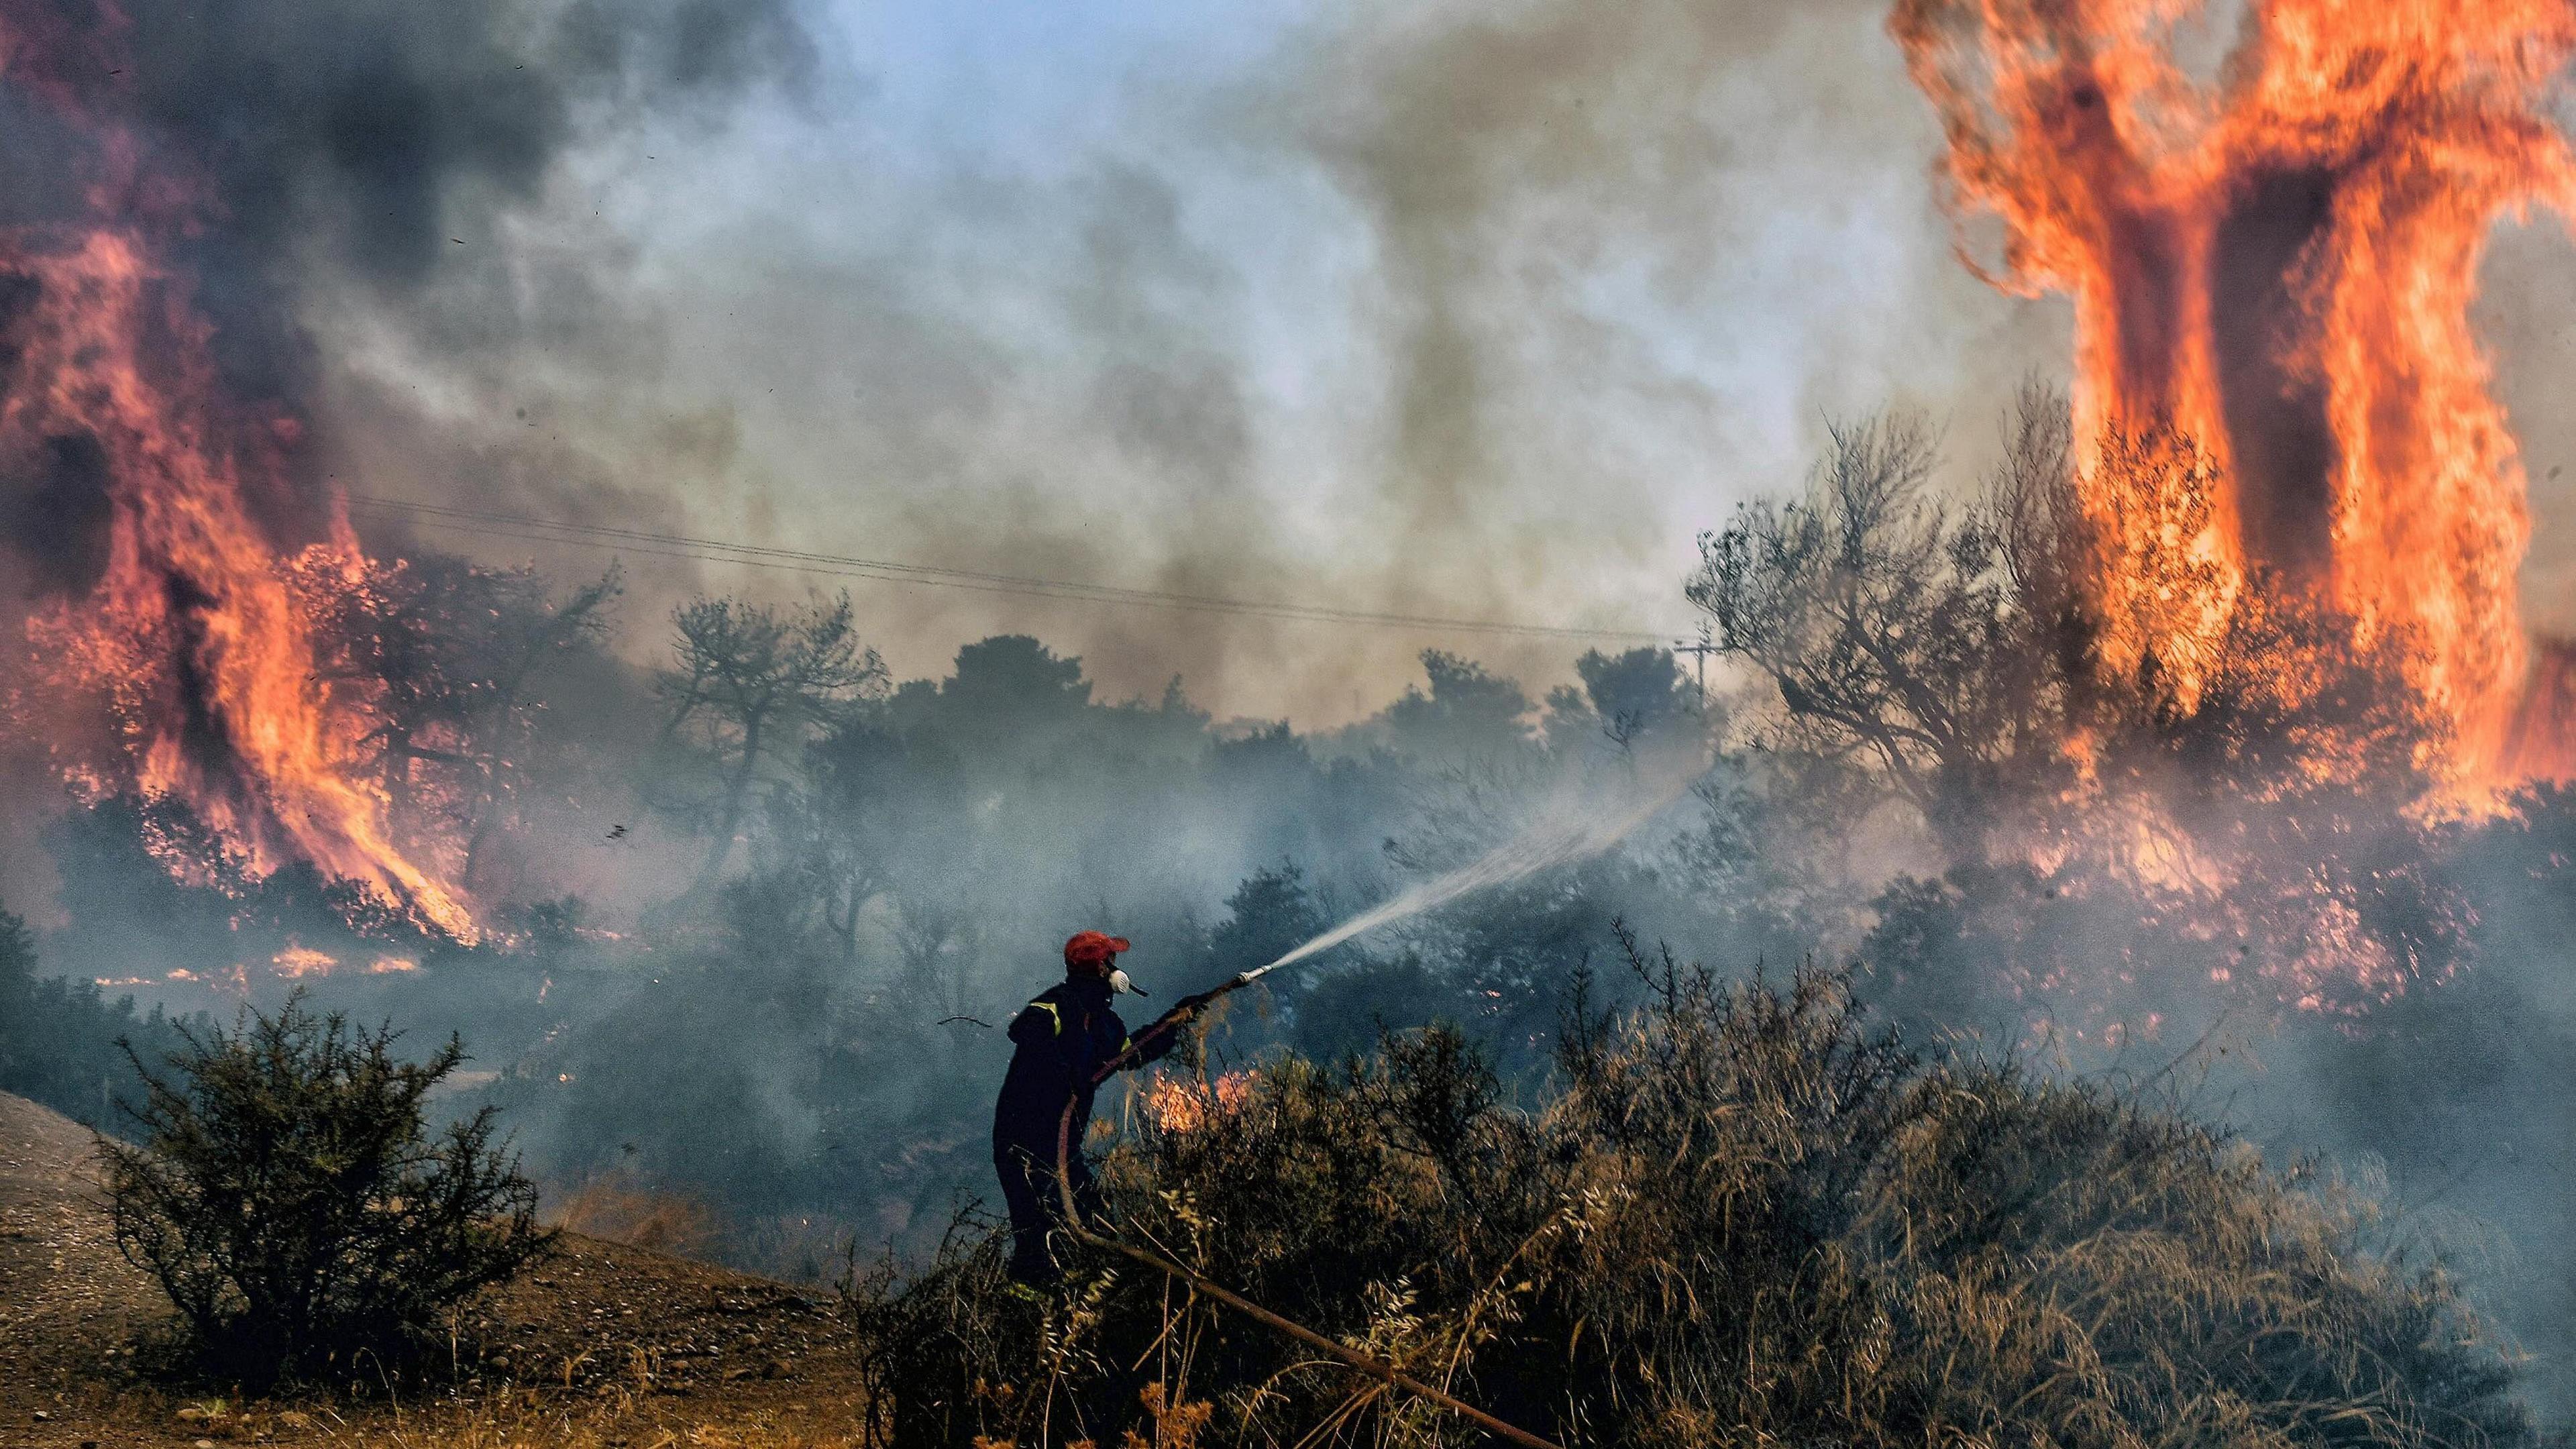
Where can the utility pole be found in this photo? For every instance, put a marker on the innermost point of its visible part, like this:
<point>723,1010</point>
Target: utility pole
<point>1699,649</point>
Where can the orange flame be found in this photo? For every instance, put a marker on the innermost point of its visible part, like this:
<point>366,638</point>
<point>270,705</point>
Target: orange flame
<point>297,962</point>
<point>1179,1105</point>
<point>2276,264</point>
<point>191,636</point>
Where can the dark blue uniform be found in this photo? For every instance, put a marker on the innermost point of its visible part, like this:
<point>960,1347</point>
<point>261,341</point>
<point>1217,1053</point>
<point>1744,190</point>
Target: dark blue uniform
<point>1061,1040</point>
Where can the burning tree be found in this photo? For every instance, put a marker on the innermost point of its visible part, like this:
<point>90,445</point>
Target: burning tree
<point>443,656</point>
<point>188,574</point>
<point>2256,779</point>
<point>200,659</point>
<point>2278,265</point>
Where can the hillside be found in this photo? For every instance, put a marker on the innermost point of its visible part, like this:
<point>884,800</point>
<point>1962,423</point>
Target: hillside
<point>605,1345</point>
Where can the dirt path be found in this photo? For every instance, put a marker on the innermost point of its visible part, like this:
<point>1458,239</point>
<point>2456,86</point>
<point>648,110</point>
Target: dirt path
<point>602,1346</point>
<point>69,1304</point>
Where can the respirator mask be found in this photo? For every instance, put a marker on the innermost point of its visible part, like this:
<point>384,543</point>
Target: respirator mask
<point>1121,985</point>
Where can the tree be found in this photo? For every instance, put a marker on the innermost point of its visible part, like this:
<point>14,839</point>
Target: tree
<point>752,685</point>
<point>289,1197</point>
<point>1008,700</point>
<point>1271,913</point>
<point>1889,626</point>
<point>938,935</point>
<point>1469,711</point>
<point>521,646</point>
<point>1625,698</point>
<point>833,827</point>
<point>59,1037</point>
<point>443,657</point>
<point>1014,680</point>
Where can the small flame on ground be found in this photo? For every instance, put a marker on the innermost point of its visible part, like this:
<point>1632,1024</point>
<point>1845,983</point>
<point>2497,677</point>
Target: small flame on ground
<point>297,962</point>
<point>1178,1105</point>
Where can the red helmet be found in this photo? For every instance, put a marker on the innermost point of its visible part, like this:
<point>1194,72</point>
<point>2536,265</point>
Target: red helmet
<point>1093,951</point>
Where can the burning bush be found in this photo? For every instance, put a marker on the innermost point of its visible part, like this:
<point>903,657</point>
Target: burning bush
<point>1742,1216</point>
<point>292,1203</point>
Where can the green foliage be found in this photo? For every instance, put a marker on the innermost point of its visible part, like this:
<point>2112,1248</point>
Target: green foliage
<point>290,1198</point>
<point>1470,712</point>
<point>1741,1217</point>
<point>1271,913</point>
<point>58,1037</point>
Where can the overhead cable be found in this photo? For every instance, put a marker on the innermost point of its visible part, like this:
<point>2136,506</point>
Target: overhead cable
<point>527,528</point>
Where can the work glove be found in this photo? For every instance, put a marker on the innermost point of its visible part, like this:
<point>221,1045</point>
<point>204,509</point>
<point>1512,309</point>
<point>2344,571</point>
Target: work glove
<point>1188,1006</point>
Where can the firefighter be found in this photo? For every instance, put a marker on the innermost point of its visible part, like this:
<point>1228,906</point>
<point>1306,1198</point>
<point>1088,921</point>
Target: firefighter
<point>1060,1042</point>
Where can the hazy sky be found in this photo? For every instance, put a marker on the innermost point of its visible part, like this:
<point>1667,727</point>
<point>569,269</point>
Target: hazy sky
<point>1459,309</point>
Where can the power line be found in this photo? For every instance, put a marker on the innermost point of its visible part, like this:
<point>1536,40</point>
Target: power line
<point>708,550</point>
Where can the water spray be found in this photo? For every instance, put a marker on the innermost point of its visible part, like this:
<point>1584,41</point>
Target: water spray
<point>1571,828</point>
<point>1566,832</point>
<point>1566,837</point>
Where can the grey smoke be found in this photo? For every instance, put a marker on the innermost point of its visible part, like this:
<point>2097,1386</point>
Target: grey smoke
<point>1462,310</point>
<point>376,138</point>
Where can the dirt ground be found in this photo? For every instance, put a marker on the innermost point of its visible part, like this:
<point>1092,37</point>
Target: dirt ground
<point>604,1345</point>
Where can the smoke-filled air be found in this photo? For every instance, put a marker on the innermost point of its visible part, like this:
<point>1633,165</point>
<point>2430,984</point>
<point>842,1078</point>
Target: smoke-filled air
<point>791,722</point>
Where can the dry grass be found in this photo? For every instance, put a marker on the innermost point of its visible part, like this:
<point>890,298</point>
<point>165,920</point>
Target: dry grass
<point>622,1208</point>
<point>605,1345</point>
<point>632,1413</point>
<point>1742,1218</point>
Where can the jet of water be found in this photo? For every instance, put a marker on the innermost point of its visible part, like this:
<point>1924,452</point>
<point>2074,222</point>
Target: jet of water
<point>1576,827</point>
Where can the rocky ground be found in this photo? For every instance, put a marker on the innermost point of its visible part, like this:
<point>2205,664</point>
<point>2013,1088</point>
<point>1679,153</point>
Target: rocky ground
<point>604,1345</point>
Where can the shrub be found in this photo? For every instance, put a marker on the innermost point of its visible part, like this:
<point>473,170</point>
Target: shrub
<point>1741,1217</point>
<point>288,1195</point>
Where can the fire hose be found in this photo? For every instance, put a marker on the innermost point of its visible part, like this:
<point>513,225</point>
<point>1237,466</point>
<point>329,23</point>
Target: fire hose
<point>1377,1368</point>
